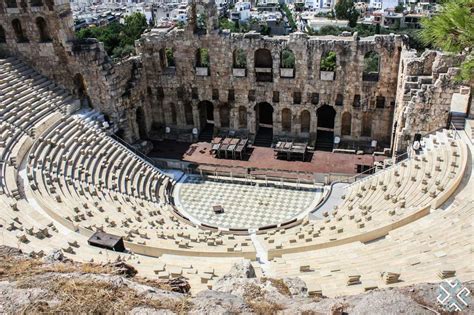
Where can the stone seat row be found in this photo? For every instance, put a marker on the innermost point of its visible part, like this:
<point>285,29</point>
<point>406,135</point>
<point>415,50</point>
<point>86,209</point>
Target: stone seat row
<point>380,202</point>
<point>430,249</point>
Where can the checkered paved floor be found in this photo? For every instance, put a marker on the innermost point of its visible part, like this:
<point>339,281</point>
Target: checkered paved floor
<point>245,206</point>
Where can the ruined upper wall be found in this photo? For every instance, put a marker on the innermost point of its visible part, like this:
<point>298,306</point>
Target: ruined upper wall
<point>179,85</point>
<point>426,85</point>
<point>41,33</point>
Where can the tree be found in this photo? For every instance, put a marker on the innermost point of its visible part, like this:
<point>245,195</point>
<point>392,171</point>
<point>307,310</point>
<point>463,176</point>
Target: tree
<point>345,10</point>
<point>452,30</point>
<point>135,24</point>
<point>399,8</point>
<point>119,39</point>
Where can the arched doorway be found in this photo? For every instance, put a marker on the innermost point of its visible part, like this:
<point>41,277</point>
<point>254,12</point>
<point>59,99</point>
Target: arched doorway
<point>264,124</point>
<point>206,113</point>
<point>325,137</point>
<point>141,122</point>
<point>206,120</point>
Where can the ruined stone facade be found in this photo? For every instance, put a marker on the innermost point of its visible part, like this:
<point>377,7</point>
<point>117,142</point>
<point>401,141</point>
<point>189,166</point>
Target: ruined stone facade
<point>183,81</point>
<point>426,85</point>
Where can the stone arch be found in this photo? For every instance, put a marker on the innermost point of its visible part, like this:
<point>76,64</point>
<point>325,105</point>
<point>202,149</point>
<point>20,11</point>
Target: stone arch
<point>239,58</point>
<point>325,135</point>
<point>264,113</point>
<point>206,113</point>
<point>263,63</point>
<point>305,118</point>
<point>11,4</point>
<point>346,124</point>
<point>326,115</point>
<point>224,115</point>
<point>242,117</point>
<point>371,66</point>
<point>3,37</point>
<point>263,58</point>
<point>43,29</point>
<point>174,115</point>
<point>188,113</point>
<point>366,124</point>
<point>286,120</point>
<point>17,28</point>
<point>141,122</point>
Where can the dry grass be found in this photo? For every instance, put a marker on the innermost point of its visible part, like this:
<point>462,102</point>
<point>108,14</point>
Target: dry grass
<point>87,297</point>
<point>75,295</point>
<point>255,298</point>
<point>279,284</point>
<point>14,269</point>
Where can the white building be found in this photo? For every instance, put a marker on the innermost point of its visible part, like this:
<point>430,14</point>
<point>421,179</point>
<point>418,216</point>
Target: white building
<point>241,11</point>
<point>383,4</point>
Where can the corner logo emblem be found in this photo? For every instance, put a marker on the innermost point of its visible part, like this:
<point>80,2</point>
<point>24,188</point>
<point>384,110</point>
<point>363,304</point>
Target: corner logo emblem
<point>453,295</point>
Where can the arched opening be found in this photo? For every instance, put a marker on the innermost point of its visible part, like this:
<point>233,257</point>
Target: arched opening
<point>11,3</point>
<point>286,120</point>
<point>327,66</point>
<point>206,113</point>
<point>263,65</point>
<point>20,36</point>
<point>3,37</point>
<point>346,124</point>
<point>325,137</point>
<point>305,121</point>
<point>287,59</point>
<point>239,59</point>
<point>81,90</point>
<point>141,122</point>
<point>265,115</point>
<point>224,115</point>
<point>206,120</point>
<point>366,125</point>
<point>43,30</point>
<point>174,118</point>
<point>242,117</point>
<point>167,58</point>
<point>287,63</point>
<point>202,58</point>
<point>264,127</point>
<point>202,62</point>
<point>371,66</point>
<point>188,113</point>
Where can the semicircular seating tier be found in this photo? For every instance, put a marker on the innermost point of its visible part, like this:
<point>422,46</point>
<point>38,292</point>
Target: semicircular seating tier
<point>62,178</point>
